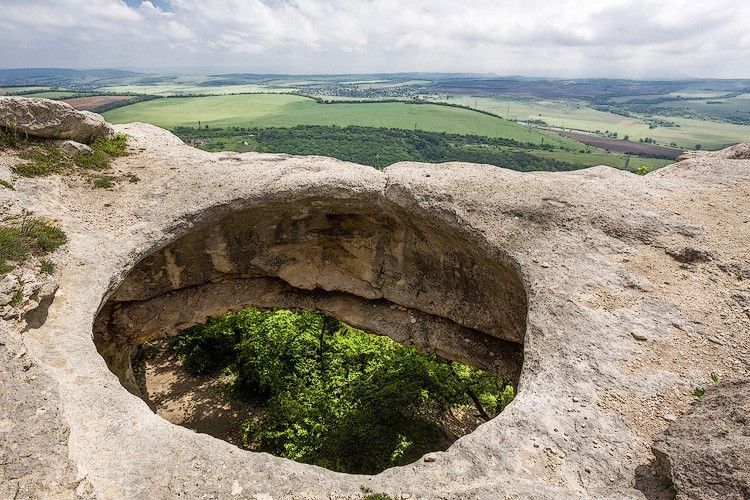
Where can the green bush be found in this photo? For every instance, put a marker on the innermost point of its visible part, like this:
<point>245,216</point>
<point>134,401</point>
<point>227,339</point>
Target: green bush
<point>7,185</point>
<point>336,396</point>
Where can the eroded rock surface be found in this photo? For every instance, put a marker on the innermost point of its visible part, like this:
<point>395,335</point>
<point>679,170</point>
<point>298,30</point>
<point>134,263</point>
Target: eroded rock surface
<point>578,277</point>
<point>706,452</point>
<point>50,119</point>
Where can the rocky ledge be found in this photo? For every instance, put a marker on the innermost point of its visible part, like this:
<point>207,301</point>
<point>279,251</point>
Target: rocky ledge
<point>610,297</point>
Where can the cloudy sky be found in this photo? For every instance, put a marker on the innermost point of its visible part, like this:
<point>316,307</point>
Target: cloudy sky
<point>567,38</point>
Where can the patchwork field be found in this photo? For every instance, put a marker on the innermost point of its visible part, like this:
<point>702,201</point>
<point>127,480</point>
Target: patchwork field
<point>577,115</point>
<point>95,103</point>
<point>279,110</point>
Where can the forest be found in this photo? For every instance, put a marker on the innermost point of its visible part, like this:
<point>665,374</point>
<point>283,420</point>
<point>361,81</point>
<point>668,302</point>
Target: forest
<point>335,396</point>
<point>376,147</point>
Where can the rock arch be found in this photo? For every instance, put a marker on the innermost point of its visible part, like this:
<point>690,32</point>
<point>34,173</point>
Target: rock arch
<point>374,266</point>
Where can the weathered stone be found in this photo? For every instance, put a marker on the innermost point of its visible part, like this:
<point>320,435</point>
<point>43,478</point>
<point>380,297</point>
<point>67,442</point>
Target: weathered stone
<point>73,148</point>
<point>429,254</point>
<point>706,452</point>
<point>52,119</point>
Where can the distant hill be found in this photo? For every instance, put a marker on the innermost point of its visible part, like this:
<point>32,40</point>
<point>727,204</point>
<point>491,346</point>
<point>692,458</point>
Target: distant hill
<point>60,77</point>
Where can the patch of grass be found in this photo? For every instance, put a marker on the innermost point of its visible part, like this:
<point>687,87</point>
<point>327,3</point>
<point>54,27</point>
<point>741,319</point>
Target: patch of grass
<point>370,495</point>
<point>13,248</point>
<point>113,147</point>
<point>17,297</point>
<point>7,185</point>
<point>42,159</point>
<point>97,160</point>
<point>10,137</point>
<point>46,266</point>
<point>104,181</point>
<point>103,152</point>
<point>48,237</point>
<point>27,236</point>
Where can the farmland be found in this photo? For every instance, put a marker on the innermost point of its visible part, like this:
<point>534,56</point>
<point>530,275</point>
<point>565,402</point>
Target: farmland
<point>282,110</point>
<point>579,115</point>
<point>98,103</point>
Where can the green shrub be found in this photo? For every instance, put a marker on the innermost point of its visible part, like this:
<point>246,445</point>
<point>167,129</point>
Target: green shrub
<point>7,185</point>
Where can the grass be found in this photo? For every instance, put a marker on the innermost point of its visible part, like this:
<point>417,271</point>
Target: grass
<point>25,236</point>
<point>283,110</point>
<point>11,138</point>
<point>7,185</point>
<point>46,266</point>
<point>104,181</point>
<point>44,158</point>
<point>53,94</point>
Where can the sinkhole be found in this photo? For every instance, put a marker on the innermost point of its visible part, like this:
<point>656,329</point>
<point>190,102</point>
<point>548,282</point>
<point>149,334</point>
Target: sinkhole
<point>387,316</point>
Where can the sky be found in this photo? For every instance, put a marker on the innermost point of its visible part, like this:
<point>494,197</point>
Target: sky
<point>560,38</point>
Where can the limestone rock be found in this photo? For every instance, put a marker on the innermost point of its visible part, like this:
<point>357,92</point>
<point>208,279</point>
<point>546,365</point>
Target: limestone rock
<point>52,119</point>
<point>706,452</point>
<point>447,257</point>
<point>73,148</point>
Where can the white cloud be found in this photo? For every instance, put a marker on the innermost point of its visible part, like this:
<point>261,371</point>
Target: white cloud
<point>557,37</point>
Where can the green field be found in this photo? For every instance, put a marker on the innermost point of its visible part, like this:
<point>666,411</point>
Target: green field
<point>17,90</point>
<point>579,116</point>
<point>53,94</point>
<point>279,110</point>
<point>181,89</point>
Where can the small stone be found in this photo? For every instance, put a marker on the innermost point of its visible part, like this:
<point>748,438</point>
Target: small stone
<point>429,459</point>
<point>716,340</point>
<point>639,336</point>
<point>576,399</point>
<point>545,264</point>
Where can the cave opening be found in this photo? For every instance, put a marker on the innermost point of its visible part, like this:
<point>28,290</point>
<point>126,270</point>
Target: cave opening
<point>436,298</point>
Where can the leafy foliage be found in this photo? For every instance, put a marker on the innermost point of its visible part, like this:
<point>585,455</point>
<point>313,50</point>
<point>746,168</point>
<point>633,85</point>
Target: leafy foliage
<point>336,396</point>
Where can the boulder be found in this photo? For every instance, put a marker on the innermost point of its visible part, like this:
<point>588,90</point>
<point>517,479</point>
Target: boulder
<point>73,148</point>
<point>52,120</point>
<point>706,452</point>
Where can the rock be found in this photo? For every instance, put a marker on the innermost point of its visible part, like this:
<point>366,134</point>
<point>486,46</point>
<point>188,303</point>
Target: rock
<point>689,254</point>
<point>455,246</point>
<point>72,148</point>
<point>49,119</point>
<point>706,451</point>
<point>639,336</point>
